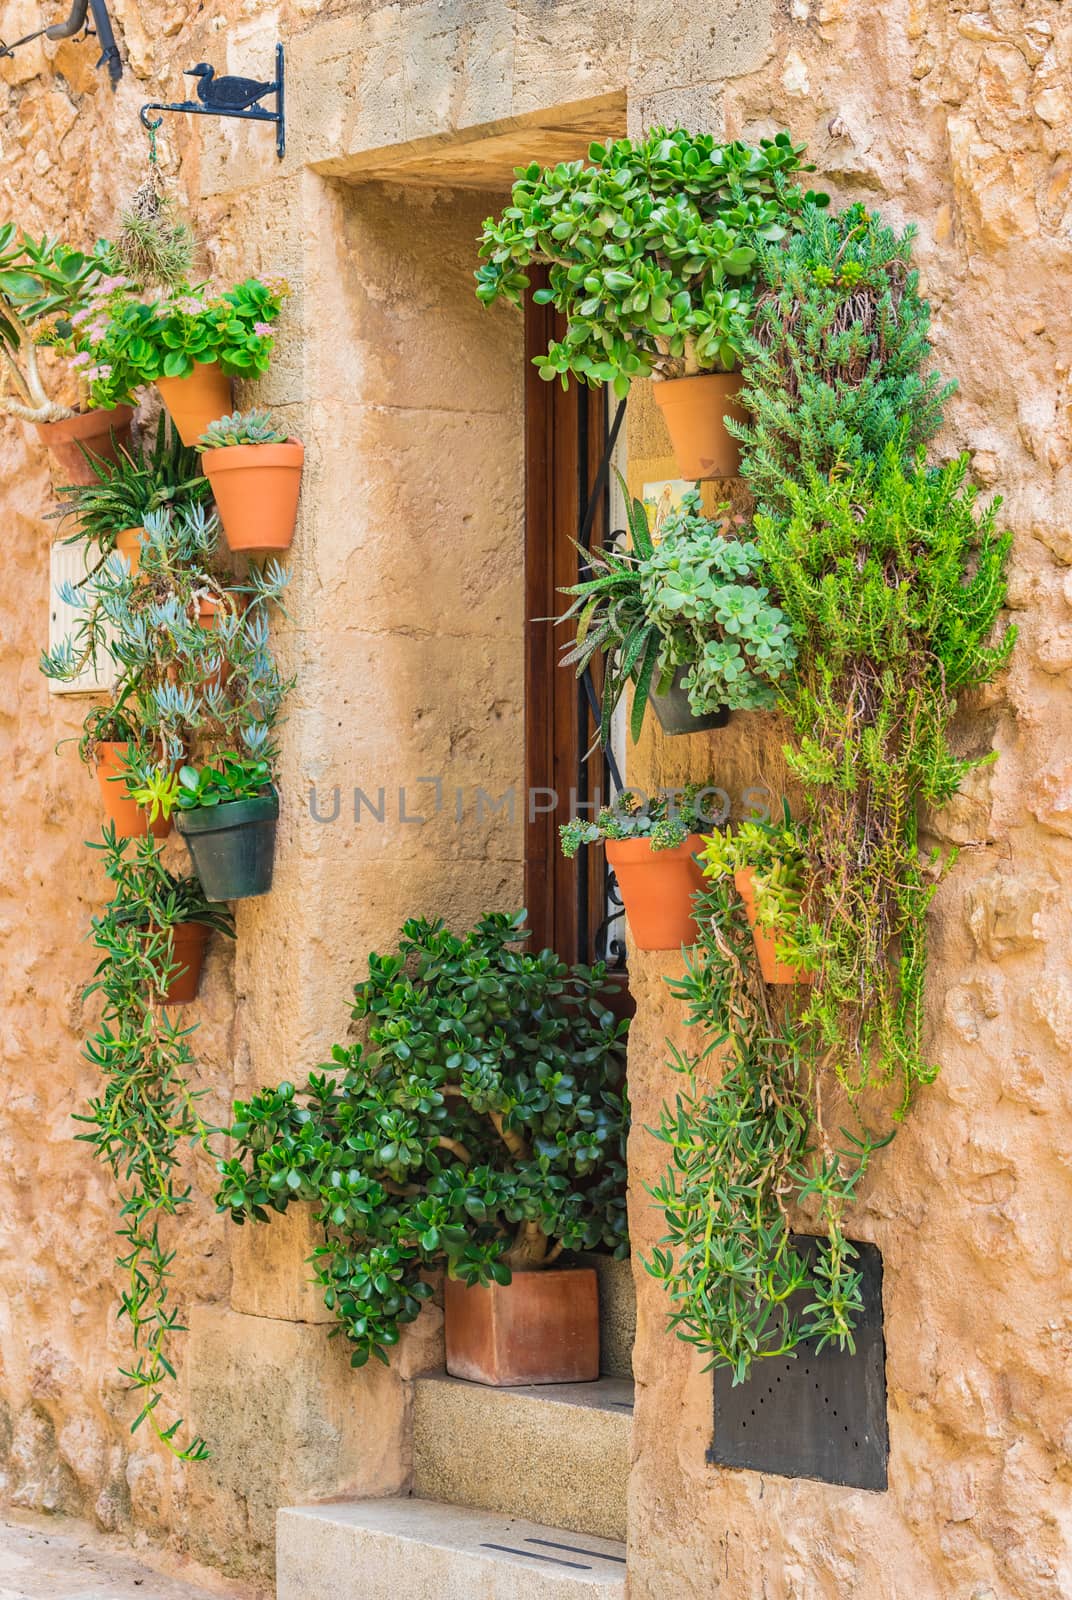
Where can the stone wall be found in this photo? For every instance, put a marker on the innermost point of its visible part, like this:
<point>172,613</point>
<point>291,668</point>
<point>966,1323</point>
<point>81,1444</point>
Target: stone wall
<point>405,633</point>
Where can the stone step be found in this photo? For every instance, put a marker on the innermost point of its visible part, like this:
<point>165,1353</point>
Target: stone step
<point>558,1453</point>
<point>418,1550</point>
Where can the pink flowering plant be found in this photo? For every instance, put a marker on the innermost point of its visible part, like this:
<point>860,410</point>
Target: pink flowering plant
<point>126,342</point>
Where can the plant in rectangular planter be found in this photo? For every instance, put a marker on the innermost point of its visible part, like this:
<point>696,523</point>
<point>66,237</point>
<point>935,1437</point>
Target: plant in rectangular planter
<point>480,1129</point>
<point>45,286</point>
<point>683,620</point>
<point>651,251</point>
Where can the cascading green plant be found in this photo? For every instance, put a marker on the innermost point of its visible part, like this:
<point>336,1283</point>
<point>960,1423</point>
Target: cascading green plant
<point>892,578</point>
<point>651,249</point>
<point>480,1129</point>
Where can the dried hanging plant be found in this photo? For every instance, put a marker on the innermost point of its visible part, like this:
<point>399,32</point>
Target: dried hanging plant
<point>154,245</point>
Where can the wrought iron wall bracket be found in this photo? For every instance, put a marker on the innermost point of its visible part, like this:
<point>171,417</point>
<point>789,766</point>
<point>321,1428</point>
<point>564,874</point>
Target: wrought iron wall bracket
<point>230,97</point>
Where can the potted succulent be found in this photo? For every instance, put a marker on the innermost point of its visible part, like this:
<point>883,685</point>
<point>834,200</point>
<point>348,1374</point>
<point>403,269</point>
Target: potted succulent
<point>45,287</point>
<point>190,344</point>
<point>255,471</point>
<point>227,814</point>
<point>113,743</point>
<point>478,1129</point>
<point>766,861</point>
<point>111,511</point>
<point>651,252</point>
<point>653,846</point>
<point>155,930</point>
<point>683,620</point>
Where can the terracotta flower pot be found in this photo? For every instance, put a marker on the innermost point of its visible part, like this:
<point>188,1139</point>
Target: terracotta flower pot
<point>102,433</point>
<point>128,543</point>
<point>188,953</point>
<point>693,410</point>
<point>657,887</point>
<point>543,1327</point>
<point>131,820</point>
<point>773,970</point>
<point>256,489</point>
<point>194,402</point>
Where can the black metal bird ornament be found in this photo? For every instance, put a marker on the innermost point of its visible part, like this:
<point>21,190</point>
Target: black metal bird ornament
<point>227,94</point>
<point>230,97</point>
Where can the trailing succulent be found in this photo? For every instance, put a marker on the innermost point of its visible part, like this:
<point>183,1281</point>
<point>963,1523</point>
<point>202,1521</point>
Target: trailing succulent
<point>651,249</point>
<point>891,577</point>
<point>479,1128</point>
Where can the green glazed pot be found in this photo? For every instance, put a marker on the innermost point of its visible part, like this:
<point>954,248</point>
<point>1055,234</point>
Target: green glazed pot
<point>232,846</point>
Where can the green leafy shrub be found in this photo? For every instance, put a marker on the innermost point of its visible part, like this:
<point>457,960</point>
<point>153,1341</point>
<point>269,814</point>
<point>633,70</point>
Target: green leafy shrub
<point>128,343</point>
<point>480,1129</point>
<point>667,820</point>
<point>833,370</point>
<point>248,427</point>
<point>44,284</point>
<point>651,251</point>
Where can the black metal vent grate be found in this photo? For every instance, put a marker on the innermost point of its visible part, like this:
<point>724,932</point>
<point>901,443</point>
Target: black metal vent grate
<point>820,1415</point>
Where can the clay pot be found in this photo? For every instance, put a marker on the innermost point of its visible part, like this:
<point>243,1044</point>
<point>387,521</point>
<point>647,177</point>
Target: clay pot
<point>256,489</point>
<point>131,820</point>
<point>194,402</point>
<point>188,953</point>
<point>693,410</point>
<point>232,846</point>
<point>543,1327</point>
<point>657,887</point>
<point>675,714</point>
<point>128,544</point>
<point>102,433</point>
<point>773,970</point>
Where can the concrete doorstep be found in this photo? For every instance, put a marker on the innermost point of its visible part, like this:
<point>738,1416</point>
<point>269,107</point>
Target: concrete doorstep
<point>56,1559</point>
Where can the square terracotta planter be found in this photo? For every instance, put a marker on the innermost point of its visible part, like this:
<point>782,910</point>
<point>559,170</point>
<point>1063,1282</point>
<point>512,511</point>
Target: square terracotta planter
<point>541,1328</point>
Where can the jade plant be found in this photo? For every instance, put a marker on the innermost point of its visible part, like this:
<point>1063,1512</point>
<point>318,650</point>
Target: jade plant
<point>480,1128</point>
<point>691,601</point>
<point>651,250</point>
<point>129,342</point>
<point>665,820</point>
<point>44,285</point>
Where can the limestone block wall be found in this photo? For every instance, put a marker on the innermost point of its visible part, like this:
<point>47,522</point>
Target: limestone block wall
<point>404,628</point>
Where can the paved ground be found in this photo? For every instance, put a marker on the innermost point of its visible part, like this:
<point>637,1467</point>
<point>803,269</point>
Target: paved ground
<point>51,1559</point>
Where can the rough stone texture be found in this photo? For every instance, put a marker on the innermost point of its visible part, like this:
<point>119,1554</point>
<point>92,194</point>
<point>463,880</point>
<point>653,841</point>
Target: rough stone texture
<point>557,1453</point>
<point>405,631</point>
<point>42,1561</point>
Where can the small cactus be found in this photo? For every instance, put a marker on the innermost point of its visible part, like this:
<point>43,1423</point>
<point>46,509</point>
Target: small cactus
<point>243,427</point>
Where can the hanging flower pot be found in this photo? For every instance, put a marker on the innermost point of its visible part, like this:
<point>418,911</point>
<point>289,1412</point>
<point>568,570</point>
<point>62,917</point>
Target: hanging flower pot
<point>256,489</point>
<point>195,401</point>
<point>232,846</point>
<point>542,1327</point>
<point>128,543</point>
<point>102,433</point>
<point>675,714</point>
<point>693,410</point>
<point>766,941</point>
<point>188,942</point>
<point>657,887</point>
<point>131,820</point>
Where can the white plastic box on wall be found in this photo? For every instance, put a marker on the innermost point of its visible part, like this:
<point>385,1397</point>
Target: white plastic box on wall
<point>68,564</point>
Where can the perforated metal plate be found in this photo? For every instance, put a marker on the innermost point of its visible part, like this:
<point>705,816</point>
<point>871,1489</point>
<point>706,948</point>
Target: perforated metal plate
<point>820,1415</point>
